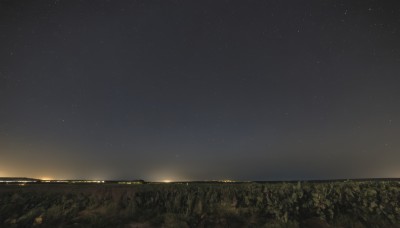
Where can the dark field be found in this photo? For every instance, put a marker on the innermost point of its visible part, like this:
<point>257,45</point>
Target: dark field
<point>302,204</point>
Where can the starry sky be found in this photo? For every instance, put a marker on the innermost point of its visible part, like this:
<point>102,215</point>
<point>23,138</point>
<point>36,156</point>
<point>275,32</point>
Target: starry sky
<point>200,90</point>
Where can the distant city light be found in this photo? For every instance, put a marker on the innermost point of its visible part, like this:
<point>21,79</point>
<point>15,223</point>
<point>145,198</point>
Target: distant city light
<point>88,181</point>
<point>227,181</point>
<point>46,178</point>
<point>129,182</point>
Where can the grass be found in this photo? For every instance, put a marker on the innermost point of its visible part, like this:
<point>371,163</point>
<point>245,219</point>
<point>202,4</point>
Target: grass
<point>338,204</point>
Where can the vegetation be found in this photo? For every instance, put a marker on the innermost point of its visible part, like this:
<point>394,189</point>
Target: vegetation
<point>302,204</point>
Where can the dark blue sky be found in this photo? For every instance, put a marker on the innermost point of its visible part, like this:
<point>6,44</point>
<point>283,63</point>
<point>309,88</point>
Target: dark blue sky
<point>260,90</point>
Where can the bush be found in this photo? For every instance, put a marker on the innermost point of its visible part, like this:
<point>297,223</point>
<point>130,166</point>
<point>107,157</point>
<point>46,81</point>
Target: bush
<point>372,204</point>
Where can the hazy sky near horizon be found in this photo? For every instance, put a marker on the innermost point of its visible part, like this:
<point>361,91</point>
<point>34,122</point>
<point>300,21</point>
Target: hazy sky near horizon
<point>248,90</point>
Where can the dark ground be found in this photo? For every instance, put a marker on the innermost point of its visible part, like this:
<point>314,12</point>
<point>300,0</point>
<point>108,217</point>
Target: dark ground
<point>297,204</point>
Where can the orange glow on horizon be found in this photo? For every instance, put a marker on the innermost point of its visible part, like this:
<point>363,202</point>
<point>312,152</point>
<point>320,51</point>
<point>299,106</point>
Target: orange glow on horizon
<point>46,178</point>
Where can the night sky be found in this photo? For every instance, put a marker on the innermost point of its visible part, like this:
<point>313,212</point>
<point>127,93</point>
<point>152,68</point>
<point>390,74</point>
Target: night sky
<point>200,90</point>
